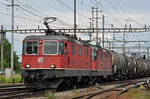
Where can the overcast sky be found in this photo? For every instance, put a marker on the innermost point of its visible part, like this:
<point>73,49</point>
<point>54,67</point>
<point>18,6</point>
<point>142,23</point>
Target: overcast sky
<point>30,14</point>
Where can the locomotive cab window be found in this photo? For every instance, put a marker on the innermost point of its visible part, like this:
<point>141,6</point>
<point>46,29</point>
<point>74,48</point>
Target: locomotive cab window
<point>31,47</point>
<point>50,47</point>
<point>61,47</point>
<point>94,55</point>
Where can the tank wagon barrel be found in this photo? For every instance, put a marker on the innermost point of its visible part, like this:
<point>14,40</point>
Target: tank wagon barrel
<point>118,62</point>
<point>123,64</point>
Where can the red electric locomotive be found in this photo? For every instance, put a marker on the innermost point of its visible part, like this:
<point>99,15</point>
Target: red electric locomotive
<point>49,60</point>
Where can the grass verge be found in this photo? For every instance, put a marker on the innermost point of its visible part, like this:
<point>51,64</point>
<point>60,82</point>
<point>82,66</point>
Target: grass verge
<point>16,78</point>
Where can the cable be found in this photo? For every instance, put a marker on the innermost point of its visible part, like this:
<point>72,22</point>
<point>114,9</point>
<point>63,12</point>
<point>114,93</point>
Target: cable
<point>46,12</point>
<point>19,17</point>
<point>106,12</point>
<point>116,9</point>
<point>29,11</point>
<point>117,2</point>
<point>38,11</point>
<point>71,8</point>
<point>3,3</point>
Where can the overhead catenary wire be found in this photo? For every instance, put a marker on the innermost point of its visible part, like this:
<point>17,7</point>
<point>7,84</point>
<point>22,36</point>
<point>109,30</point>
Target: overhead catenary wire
<point>37,13</point>
<point>18,16</point>
<point>117,2</point>
<point>45,11</point>
<point>129,19</point>
<point>29,9</point>
<point>116,10</point>
<point>72,9</point>
<point>107,12</point>
<point>47,14</point>
<point>23,18</point>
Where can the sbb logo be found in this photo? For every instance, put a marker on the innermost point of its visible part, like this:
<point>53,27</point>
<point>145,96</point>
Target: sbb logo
<point>40,59</point>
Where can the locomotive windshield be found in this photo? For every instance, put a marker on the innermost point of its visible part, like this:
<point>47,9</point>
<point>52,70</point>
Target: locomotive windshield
<point>31,47</point>
<point>50,47</point>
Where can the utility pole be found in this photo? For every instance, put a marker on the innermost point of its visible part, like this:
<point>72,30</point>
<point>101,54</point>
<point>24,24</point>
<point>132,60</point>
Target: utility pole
<point>2,51</point>
<point>12,36</point>
<point>92,17</point>
<point>90,34</point>
<point>148,53</point>
<point>124,44</point>
<point>113,35</point>
<point>95,9</point>
<point>97,24</point>
<point>75,26</point>
<point>103,31</point>
<point>139,46</point>
<point>12,39</point>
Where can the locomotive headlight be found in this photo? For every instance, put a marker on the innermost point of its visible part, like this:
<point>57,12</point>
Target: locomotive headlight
<point>52,66</point>
<point>27,66</point>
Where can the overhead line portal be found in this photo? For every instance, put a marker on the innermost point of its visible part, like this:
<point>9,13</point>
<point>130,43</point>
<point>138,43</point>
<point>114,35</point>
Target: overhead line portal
<point>83,30</point>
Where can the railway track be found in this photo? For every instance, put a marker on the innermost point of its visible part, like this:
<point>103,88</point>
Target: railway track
<point>21,94</point>
<point>112,92</point>
<point>18,91</point>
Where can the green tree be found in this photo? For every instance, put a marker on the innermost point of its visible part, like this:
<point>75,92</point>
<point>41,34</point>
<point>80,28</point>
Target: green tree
<point>7,57</point>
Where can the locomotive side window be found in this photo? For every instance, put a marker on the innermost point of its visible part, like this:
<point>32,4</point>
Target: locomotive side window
<point>61,47</point>
<point>80,51</point>
<point>108,56</point>
<point>86,52</point>
<point>101,56</point>
<point>94,55</point>
<point>72,49</point>
<point>105,56</point>
<point>50,47</point>
<point>31,47</point>
<point>65,48</point>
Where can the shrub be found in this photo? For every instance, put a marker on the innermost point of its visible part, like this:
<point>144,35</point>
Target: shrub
<point>50,95</point>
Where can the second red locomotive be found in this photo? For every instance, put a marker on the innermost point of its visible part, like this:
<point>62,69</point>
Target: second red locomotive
<point>48,57</point>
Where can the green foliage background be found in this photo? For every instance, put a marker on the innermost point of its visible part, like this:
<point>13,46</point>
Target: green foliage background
<point>7,57</point>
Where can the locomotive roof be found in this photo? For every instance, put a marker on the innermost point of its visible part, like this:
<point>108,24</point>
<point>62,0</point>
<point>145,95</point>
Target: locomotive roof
<point>63,37</point>
<point>56,37</point>
<point>46,37</point>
